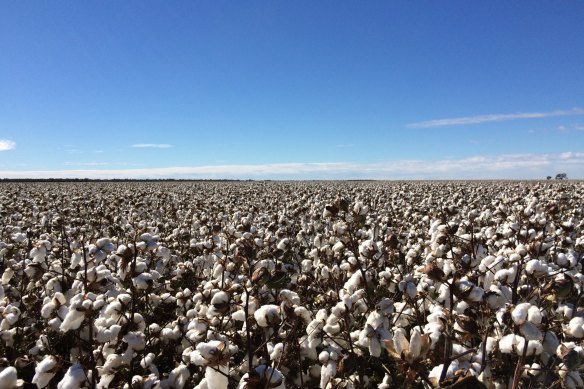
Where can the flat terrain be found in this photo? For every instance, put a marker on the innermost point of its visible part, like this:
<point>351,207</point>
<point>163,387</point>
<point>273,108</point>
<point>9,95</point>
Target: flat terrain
<point>291,284</point>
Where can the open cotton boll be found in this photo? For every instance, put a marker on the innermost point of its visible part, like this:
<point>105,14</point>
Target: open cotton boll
<point>338,247</point>
<point>45,371</point>
<point>177,378</point>
<point>507,343</point>
<point>273,378</point>
<point>11,314</point>
<point>519,313</point>
<point>8,378</point>
<point>108,334</point>
<point>575,327</point>
<point>73,378</point>
<point>148,363</point>
<point>276,351</point>
<point>327,372</point>
<point>135,340</point>
<point>534,347</point>
<point>534,315</point>
<point>72,321</point>
<point>267,315</point>
<point>217,377</point>
<point>304,313</point>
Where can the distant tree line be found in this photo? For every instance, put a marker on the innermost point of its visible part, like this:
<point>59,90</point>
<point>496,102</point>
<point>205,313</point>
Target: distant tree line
<point>559,176</point>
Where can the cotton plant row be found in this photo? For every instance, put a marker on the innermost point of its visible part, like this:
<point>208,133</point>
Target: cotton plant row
<point>292,285</point>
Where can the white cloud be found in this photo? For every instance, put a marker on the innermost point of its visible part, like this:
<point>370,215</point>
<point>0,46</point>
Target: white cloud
<point>512,166</point>
<point>6,144</point>
<point>494,118</point>
<point>86,163</point>
<point>152,145</point>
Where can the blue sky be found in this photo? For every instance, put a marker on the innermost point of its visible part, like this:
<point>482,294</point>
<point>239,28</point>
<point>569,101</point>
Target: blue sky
<point>291,90</point>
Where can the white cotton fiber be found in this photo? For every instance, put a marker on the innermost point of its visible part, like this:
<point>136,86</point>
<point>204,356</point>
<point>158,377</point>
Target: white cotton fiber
<point>267,315</point>
<point>519,313</point>
<point>73,378</point>
<point>217,377</point>
<point>73,320</point>
<point>8,378</point>
<point>44,371</point>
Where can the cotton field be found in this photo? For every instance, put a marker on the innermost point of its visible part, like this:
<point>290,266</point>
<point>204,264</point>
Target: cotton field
<point>292,285</point>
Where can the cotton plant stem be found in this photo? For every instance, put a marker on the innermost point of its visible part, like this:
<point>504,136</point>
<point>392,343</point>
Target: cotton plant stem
<point>519,367</point>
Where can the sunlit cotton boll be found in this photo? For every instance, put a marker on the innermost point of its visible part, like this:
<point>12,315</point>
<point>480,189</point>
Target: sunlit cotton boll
<point>519,313</point>
<point>45,371</point>
<point>575,327</point>
<point>8,378</point>
<point>73,320</point>
<point>73,378</point>
<point>267,315</point>
<point>273,378</point>
<point>177,378</point>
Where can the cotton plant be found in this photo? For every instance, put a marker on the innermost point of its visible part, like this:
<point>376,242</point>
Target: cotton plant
<point>9,378</point>
<point>319,269</point>
<point>263,376</point>
<point>376,331</point>
<point>214,356</point>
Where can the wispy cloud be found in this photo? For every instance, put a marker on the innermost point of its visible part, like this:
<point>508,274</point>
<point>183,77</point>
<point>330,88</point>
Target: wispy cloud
<point>87,163</point>
<point>152,145</point>
<point>6,144</point>
<point>516,166</point>
<point>494,118</point>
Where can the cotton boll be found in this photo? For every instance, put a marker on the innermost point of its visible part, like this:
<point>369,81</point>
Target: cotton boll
<point>535,266</point>
<point>7,276</point>
<point>217,377</point>
<point>534,347</point>
<point>108,334</point>
<point>177,378</point>
<point>304,313</point>
<point>135,340</point>
<point>73,378</point>
<point>534,315</point>
<point>238,315</point>
<point>490,345</point>
<point>327,372</point>
<point>507,343</point>
<point>575,327</point>
<point>72,321</point>
<point>11,314</point>
<point>211,353</point>
<point>8,378</point>
<point>276,352</point>
<point>274,378</point>
<point>267,315</point>
<point>143,281</point>
<point>148,363</point>
<point>561,259</point>
<point>324,356</point>
<point>415,343</point>
<point>374,347</point>
<point>45,371</point>
<point>566,310</point>
<point>519,313</point>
